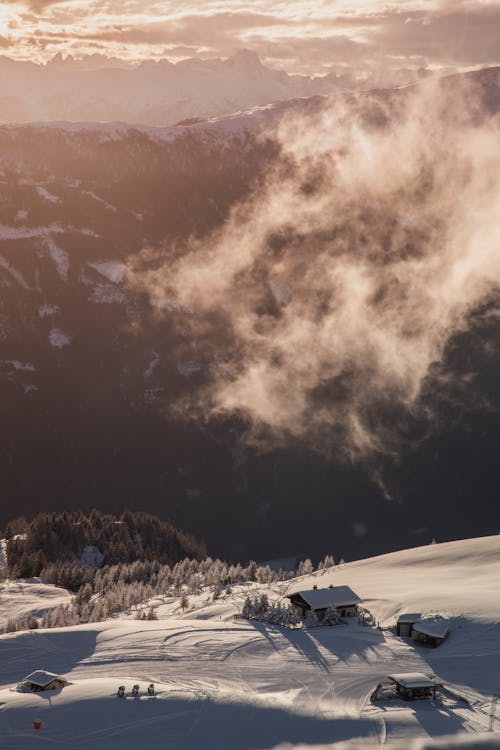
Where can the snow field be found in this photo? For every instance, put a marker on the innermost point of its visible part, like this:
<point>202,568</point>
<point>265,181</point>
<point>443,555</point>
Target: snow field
<point>21,598</point>
<point>233,684</point>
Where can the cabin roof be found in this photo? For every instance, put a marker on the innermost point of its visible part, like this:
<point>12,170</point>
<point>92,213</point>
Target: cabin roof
<point>414,680</point>
<point>41,678</point>
<point>338,596</point>
<point>435,627</point>
<point>409,617</point>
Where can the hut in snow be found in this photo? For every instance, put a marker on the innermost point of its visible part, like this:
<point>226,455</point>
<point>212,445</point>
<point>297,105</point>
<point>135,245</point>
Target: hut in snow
<point>42,680</point>
<point>405,623</point>
<point>430,630</point>
<point>342,598</point>
<point>409,686</point>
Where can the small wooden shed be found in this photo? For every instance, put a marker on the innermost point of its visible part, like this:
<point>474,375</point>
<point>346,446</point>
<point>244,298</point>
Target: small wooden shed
<point>409,686</point>
<point>431,630</point>
<point>42,680</point>
<point>342,598</point>
<point>414,685</point>
<point>405,623</point>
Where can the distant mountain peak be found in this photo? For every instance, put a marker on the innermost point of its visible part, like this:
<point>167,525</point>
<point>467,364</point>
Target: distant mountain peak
<point>245,58</point>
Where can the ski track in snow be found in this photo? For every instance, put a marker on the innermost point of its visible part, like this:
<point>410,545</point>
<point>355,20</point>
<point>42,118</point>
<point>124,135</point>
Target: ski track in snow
<point>226,684</point>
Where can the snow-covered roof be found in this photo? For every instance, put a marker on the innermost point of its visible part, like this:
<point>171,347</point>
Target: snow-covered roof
<point>42,678</point>
<point>409,617</point>
<point>414,680</point>
<point>436,627</point>
<point>338,596</point>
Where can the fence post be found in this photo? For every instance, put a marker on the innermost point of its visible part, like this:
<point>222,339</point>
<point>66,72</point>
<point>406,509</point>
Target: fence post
<point>494,699</point>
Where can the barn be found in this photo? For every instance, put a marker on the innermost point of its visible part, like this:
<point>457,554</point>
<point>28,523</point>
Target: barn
<point>342,598</point>
<point>42,680</point>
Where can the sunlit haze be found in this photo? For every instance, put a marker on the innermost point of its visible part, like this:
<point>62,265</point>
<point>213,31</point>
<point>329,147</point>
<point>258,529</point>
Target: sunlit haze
<point>301,37</point>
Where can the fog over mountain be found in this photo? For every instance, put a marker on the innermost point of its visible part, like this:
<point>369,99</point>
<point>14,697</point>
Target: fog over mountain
<point>278,329</point>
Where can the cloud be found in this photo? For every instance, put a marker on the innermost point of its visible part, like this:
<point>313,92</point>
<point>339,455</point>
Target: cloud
<point>216,31</point>
<point>319,51</point>
<point>38,6</point>
<point>299,36</point>
<point>466,35</point>
<point>343,279</point>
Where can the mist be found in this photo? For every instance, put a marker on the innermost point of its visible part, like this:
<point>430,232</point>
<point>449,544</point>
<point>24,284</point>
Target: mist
<point>329,297</point>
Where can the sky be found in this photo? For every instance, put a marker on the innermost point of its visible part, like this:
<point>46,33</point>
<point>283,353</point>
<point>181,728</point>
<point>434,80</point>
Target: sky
<point>313,37</point>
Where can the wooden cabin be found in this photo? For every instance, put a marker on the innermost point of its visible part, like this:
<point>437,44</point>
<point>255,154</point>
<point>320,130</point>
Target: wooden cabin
<point>42,680</point>
<point>342,598</point>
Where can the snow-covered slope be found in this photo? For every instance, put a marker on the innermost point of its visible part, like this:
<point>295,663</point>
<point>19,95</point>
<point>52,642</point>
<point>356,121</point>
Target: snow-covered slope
<point>454,578</point>
<point>22,598</point>
<point>232,684</point>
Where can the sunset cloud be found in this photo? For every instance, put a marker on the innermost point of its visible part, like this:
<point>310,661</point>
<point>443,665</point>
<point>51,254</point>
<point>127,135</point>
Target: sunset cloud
<point>346,276</point>
<point>297,36</point>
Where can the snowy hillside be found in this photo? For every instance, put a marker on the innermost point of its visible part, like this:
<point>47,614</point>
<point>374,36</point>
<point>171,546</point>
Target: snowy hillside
<point>231,684</point>
<point>21,598</point>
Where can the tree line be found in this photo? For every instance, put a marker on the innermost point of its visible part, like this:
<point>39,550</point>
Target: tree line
<point>134,558</point>
<point>60,545</point>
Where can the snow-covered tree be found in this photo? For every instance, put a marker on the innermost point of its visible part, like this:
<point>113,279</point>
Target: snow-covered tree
<point>327,562</point>
<point>305,567</point>
<point>331,616</point>
<point>248,609</point>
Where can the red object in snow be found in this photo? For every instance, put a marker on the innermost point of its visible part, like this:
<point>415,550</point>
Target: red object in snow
<point>37,724</point>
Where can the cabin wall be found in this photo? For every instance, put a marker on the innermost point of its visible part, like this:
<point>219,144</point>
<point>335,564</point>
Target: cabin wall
<point>428,639</point>
<point>349,611</point>
<point>54,685</point>
<point>300,607</point>
<point>405,629</point>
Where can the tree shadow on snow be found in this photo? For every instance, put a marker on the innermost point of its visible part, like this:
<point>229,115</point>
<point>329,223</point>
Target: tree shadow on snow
<point>436,720</point>
<point>344,642</point>
<point>175,723</point>
<point>299,639</point>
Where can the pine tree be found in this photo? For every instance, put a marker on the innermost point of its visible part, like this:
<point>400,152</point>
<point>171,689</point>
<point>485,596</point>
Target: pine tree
<point>331,616</point>
<point>248,609</point>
